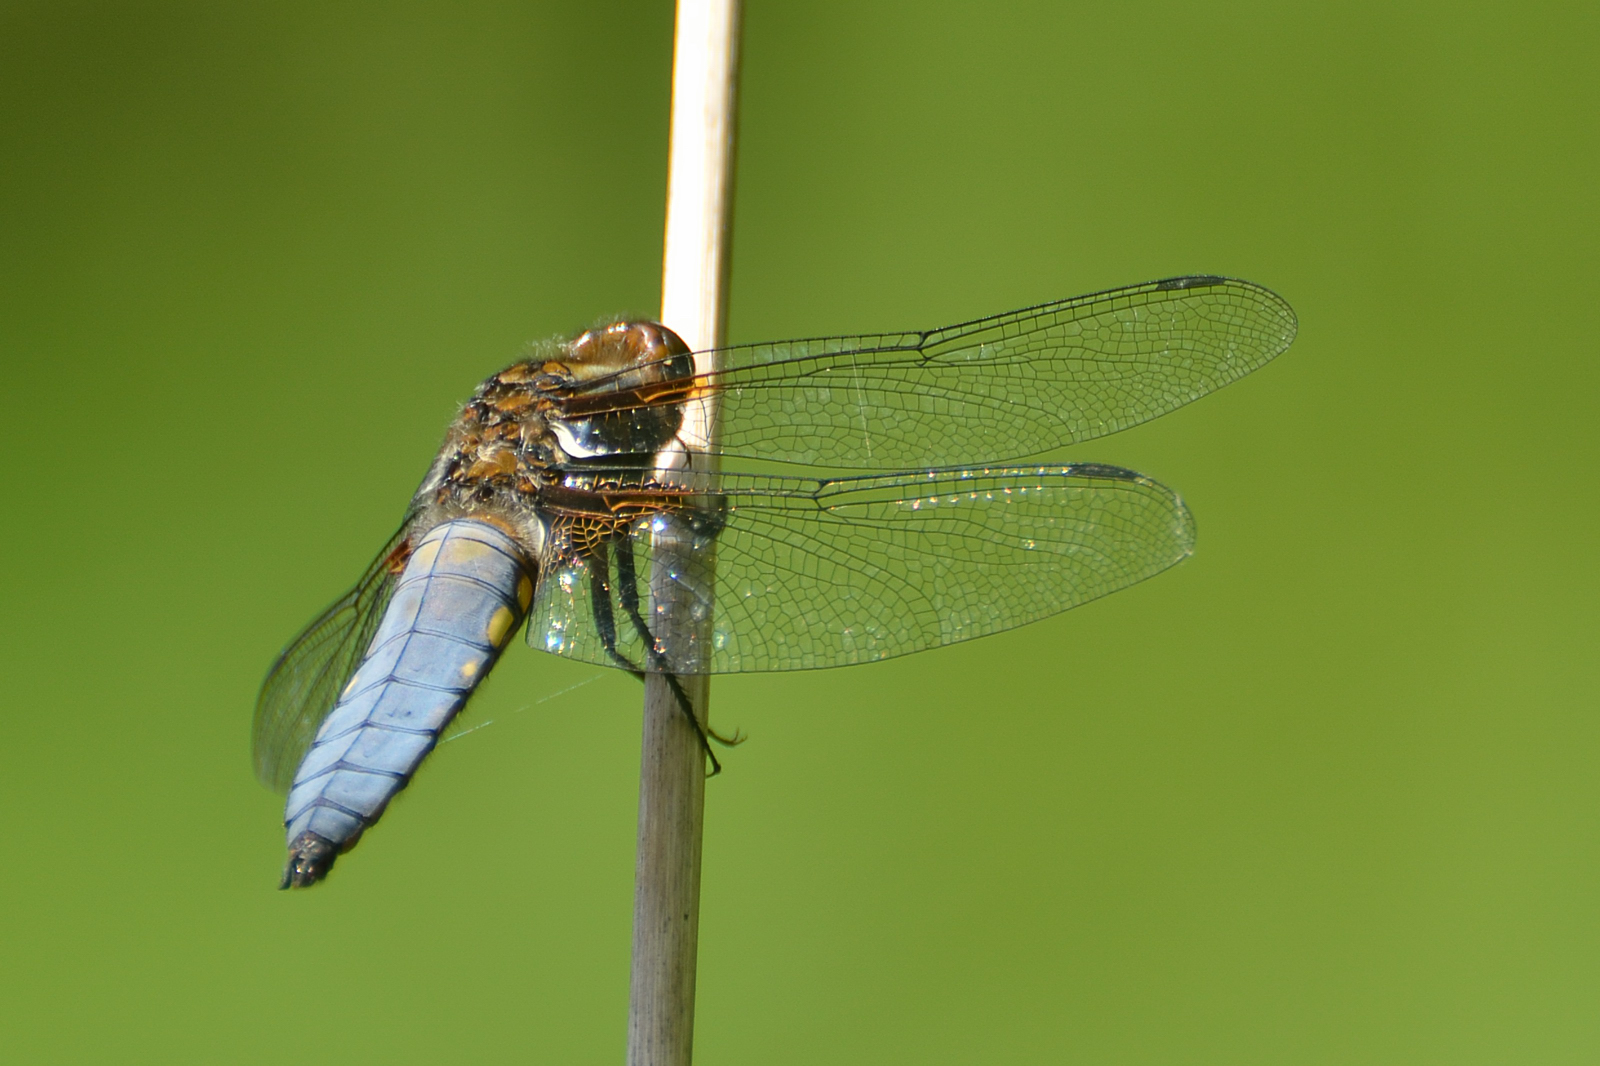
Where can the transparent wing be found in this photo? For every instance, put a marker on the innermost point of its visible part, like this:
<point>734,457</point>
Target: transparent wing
<point>1014,385</point>
<point>305,680</point>
<point>817,573</point>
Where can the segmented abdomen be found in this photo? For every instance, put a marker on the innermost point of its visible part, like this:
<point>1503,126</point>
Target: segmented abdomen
<point>462,594</point>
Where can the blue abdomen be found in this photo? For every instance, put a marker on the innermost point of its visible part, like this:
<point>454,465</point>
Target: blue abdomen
<point>462,594</point>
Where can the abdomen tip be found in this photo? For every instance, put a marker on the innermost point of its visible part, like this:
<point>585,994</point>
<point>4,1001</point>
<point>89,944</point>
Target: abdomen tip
<point>310,859</point>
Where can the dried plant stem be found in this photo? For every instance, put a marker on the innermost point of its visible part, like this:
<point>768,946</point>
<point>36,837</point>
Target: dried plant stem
<point>666,913</point>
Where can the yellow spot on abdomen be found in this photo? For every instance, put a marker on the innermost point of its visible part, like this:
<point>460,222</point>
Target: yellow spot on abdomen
<point>500,625</point>
<point>525,592</point>
<point>469,670</point>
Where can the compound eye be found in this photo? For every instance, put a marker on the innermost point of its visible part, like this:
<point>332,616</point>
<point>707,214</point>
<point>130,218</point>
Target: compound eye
<point>658,353</point>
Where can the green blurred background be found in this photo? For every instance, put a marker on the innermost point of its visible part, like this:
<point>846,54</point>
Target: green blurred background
<point>1324,794</point>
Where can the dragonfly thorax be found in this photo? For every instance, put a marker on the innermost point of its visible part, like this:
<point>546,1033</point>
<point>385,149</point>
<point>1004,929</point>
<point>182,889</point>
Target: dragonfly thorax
<point>608,394</point>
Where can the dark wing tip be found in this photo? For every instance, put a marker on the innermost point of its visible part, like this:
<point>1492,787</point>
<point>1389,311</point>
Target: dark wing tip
<point>310,859</point>
<point>1106,472</point>
<point>1190,281</point>
<point>1183,519</point>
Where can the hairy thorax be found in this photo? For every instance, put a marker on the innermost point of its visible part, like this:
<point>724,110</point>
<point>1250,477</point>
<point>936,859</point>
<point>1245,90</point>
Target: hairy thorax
<point>588,413</point>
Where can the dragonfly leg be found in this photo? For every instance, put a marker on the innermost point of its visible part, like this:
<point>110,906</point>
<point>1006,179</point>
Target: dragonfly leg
<point>628,595</point>
<point>600,602</point>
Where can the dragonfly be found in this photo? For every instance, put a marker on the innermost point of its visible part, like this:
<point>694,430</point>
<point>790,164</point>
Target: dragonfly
<point>778,506</point>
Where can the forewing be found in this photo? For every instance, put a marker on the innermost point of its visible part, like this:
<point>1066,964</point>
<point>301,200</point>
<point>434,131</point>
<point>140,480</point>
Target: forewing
<point>999,388</point>
<point>305,681</point>
<point>817,573</point>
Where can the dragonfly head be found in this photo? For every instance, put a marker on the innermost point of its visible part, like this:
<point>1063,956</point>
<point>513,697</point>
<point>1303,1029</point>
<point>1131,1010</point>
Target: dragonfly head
<point>625,384</point>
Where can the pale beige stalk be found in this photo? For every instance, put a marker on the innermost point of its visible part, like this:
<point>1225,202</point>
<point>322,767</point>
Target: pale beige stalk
<point>666,910</point>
